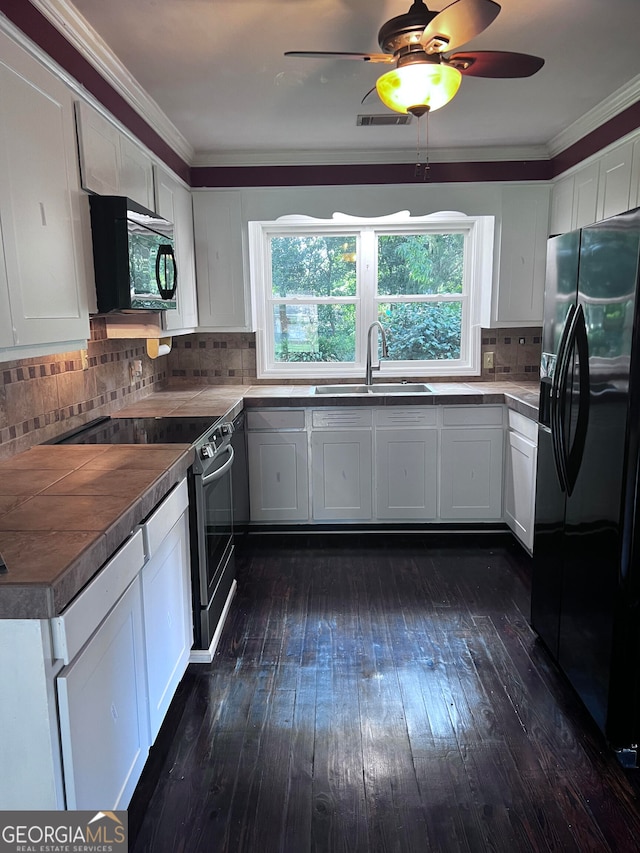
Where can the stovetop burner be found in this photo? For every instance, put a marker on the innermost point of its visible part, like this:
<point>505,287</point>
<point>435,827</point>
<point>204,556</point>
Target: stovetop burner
<point>164,430</point>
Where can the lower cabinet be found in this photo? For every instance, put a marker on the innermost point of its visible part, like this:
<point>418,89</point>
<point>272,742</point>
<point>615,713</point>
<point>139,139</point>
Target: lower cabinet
<point>103,711</point>
<point>384,463</point>
<point>125,642</point>
<point>520,477</point>
<point>406,460</point>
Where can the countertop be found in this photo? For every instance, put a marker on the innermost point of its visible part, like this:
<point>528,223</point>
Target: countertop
<point>65,509</point>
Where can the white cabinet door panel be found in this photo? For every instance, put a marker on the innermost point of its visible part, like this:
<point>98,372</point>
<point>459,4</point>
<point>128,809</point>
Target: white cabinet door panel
<point>615,181</point>
<point>278,476</point>
<point>471,473</point>
<point>168,628</point>
<point>341,462</point>
<point>103,712</point>
<point>520,486</point>
<point>406,474</point>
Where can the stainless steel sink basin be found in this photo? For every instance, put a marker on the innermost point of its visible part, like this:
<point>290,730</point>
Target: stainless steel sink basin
<point>380,388</point>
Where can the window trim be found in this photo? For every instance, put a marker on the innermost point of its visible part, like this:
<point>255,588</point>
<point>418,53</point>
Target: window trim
<point>478,265</point>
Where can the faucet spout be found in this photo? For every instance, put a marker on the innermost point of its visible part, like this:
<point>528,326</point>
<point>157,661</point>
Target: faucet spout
<point>385,350</point>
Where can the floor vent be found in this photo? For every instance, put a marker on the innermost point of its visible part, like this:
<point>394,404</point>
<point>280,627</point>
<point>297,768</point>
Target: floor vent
<point>384,120</point>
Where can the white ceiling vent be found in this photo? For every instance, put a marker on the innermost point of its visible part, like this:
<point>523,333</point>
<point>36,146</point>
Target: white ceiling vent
<point>384,120</point>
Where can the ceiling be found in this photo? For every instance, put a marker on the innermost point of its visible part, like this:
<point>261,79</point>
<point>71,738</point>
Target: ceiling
<point>217,71</point>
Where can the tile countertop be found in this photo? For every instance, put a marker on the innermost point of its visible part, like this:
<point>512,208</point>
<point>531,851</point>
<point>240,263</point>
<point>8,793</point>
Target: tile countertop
<point>65,509</point>
<point>228,400</point>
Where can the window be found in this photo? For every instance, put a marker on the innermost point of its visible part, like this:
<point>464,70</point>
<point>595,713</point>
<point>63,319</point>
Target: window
<point>319,284</point>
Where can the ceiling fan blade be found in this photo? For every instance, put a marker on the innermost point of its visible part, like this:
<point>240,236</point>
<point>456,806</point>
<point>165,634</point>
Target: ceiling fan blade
<point>495,63</point>
<point>457,24</point>
<point>330,54</point>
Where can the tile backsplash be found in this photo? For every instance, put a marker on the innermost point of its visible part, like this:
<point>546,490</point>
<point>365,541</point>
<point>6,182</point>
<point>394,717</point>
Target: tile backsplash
<point>218,359</point>
<point>41,398</point>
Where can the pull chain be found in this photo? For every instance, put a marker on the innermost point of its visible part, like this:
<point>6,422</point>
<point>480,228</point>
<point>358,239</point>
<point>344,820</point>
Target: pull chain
<point>421,171</point>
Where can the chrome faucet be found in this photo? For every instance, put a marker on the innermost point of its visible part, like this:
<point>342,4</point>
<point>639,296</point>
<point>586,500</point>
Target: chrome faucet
<point>385,350</point>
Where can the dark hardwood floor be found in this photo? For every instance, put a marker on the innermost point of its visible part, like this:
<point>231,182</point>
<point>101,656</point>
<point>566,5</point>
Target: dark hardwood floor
<point>381,693</point>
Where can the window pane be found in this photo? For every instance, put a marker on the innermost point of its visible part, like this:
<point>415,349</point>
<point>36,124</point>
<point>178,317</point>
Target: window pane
<point>313,265</point>
<point>417,331</point>
<point>314,332</point>
<point>420,264</point>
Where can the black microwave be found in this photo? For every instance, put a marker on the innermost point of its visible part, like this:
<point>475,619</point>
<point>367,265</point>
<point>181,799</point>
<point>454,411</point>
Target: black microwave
<point>133,256</point>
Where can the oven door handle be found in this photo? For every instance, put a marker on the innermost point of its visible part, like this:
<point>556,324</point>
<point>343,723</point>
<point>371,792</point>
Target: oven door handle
<point>220,472</point>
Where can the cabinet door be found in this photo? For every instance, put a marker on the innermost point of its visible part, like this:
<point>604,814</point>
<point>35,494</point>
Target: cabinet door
<point>561,216</point>
<point>520,486</point>
<point>174,203</point>
<point>471,473</point>
<point>585,196</point>
<point>406,474</point>
<point>103,712</point>
<point>99,148</point>
<point>341,466</point>
<point>136,173</point>
<point>168,629</point>
<point>278,476</point>
<point>223,299</point>
<point>39,204</point>
<point>523,248</point>
<point>615,181</point>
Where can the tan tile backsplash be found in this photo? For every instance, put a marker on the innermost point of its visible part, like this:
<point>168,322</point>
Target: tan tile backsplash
<point>216,359</point>
<point>41,398</point>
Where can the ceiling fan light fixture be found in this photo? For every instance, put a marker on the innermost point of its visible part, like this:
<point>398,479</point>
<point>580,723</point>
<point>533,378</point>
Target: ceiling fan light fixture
<point>418,87</point>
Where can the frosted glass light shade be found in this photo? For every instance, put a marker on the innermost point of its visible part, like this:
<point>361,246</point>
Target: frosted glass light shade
<point>418,86</point>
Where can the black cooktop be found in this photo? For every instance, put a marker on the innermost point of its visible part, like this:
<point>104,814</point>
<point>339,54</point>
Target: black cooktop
<point>165,430</point>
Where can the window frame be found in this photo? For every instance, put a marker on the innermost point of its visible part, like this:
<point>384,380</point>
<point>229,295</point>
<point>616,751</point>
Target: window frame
<point>478,232</point>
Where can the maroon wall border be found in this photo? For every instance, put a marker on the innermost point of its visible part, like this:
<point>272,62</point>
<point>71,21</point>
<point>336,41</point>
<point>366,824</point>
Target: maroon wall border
<point>39,29</point>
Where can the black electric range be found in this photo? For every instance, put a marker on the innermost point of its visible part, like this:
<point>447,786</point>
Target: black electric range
<point>161,430</point>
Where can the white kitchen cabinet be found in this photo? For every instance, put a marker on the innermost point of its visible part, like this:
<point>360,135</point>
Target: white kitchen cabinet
<point>585,195</point>
<point>406,464</point>
<point>341,465</point>
<point>166,598</point>
<point>110,162</point>
<point>174,203</point>
<point>103,711</point>
<point>614,182</point>
<point>224,302</point>
<point>634,191</point>
<point>471,463</point>
<point>44,276</point>
<point>561,214</point>
<point>523,247</point>
<point>278,466</point>
<point>520,477</point>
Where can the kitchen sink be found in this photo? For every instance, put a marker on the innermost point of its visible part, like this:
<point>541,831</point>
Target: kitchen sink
<point>381,388</point>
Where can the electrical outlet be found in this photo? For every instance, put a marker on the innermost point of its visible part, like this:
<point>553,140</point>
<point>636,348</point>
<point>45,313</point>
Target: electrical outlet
<point>487,360</point>
<point>135,370</point>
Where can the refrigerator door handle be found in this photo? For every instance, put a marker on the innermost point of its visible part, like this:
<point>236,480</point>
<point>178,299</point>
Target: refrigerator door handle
<point>558,392</point>
<point>579,340</point>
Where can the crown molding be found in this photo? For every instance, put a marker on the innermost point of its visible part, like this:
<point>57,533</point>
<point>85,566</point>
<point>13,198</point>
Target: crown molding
<point>349,157</point>
<point>612,106</point>
<point>67,20</point>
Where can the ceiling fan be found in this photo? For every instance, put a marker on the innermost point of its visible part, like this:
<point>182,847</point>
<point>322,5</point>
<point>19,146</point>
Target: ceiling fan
<point>426,76</point>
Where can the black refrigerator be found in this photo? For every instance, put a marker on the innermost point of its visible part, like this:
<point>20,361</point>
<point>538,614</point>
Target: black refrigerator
<point>586,560</point>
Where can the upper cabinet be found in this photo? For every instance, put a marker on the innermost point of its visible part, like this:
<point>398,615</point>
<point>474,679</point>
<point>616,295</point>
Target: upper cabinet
<point>518,298</point>
<point>223,296</point>
<point>174,203</point>
<point>597,190</point>
<point>43,275</point>
<point>110,162</point>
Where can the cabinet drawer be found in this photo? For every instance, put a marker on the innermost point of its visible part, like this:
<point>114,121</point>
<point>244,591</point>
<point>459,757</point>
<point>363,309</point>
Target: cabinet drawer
<point>415,416</point>
<point>472,416</point>
<point>164,517</point>
<point>275,419</point>
<point>523,425</point>
<point>76,624</point>
<point>341,418</point>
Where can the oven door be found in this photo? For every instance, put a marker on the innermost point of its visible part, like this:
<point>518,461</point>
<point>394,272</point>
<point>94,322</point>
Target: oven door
<point>215,521</point>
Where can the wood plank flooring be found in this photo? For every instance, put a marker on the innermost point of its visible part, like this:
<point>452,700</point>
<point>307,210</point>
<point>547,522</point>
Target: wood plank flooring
<point>381,693</point>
